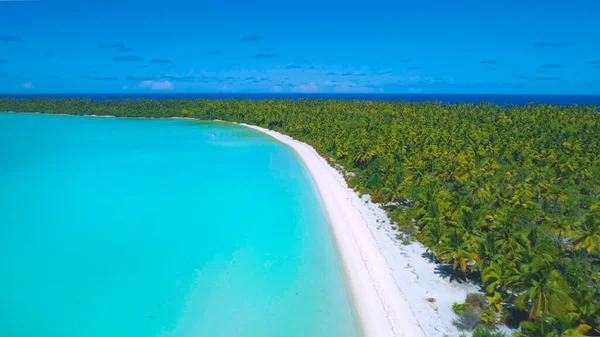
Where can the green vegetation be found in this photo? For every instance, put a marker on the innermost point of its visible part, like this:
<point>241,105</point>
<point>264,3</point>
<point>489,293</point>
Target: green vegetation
<point>508,194</point>
<point>484,331</point>
<point>458,308</point>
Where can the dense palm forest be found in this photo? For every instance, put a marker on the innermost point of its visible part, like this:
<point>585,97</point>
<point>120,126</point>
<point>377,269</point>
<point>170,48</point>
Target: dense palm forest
<point>507,194</point>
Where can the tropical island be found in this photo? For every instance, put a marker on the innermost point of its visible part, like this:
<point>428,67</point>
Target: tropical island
<point>506,196</point>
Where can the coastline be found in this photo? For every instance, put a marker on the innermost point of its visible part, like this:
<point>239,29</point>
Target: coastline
<point>391,284</point>
<point>382,308</point>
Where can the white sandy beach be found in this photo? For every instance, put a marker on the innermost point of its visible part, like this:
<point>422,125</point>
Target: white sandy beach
<point>390,283</point>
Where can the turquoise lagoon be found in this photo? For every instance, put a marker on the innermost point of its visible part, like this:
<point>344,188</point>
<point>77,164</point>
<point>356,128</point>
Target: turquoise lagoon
<point>130,227</point>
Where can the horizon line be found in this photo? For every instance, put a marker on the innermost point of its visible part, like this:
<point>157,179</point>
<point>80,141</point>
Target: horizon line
<point>288,93</point>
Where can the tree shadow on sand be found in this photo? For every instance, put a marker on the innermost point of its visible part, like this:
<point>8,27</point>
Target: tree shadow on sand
<point>446,272</point>
<point>431,258</point>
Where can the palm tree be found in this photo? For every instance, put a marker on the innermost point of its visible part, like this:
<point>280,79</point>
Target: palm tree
<point>456,250</point>
<point>433,235</point>
<point>586,234</point>
<point>543,290</point>
<point>498,275</point>
<point>568,325</point>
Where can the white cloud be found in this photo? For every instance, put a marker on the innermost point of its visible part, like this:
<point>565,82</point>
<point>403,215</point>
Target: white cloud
<point>28,85</point>
<point>277,88</point>
<point>415,90</point>
<point>346,87</point>
<point>156,85</point>
<point>226,88</point>
<point>307,87</point>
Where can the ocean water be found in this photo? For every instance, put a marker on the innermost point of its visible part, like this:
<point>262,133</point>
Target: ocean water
<point>166,228</point>
<point>520,99</point>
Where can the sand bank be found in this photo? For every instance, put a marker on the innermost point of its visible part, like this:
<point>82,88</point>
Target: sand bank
<point>396,291</point>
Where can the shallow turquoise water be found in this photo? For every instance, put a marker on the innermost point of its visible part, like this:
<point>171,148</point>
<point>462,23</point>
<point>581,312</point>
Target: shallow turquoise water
<point>126,228</point>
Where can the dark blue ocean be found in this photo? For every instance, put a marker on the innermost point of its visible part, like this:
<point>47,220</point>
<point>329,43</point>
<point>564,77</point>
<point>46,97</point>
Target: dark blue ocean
<point>446,98</point>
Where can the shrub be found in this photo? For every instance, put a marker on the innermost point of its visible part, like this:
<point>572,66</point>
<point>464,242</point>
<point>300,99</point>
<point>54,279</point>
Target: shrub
<point>491,317</point>
<point>484,331</point>
<point>458,308</point>
<point>351,183</point>
<point>476,301</point>
<point>376,197</point>
<point>467,320</point>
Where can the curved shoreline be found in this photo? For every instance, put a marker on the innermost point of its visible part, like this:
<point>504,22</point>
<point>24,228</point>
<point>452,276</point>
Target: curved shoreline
<point>396,292</point>
<point>382,308</point>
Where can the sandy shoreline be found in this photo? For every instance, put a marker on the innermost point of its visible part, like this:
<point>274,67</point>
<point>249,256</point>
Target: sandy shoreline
<point>382,308</point>
<point>392,285</point>
<point>396,291</point>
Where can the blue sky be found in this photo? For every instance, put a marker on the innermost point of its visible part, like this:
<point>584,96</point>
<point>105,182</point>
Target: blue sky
<point>428,46</point>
